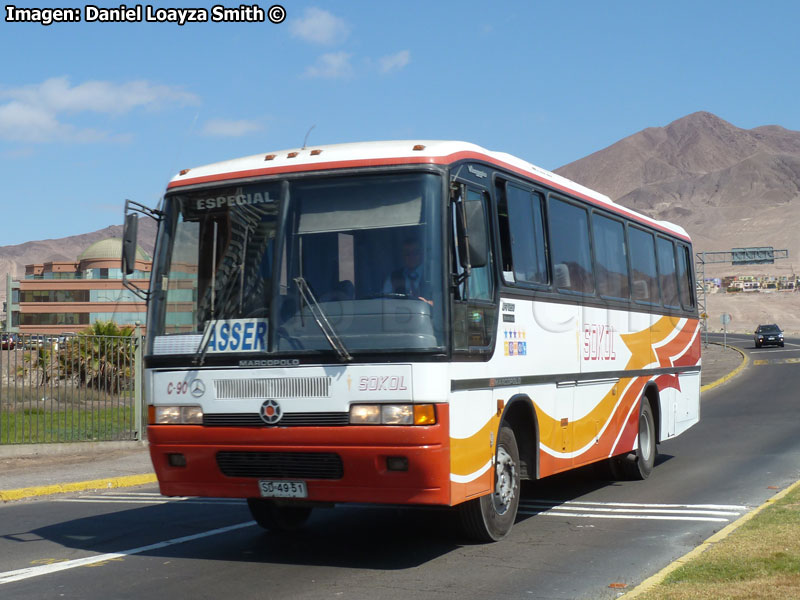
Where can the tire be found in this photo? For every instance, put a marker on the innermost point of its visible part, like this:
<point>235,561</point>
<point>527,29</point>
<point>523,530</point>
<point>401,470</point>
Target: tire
<point>638,464</point>
<point>278,517</point>
<point>490,517</point>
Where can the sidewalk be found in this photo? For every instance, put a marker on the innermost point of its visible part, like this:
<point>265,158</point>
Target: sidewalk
<point>29,471</point>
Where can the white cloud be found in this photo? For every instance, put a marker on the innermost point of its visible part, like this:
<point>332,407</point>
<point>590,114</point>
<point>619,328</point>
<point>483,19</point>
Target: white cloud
<point>319,27</point>
<point>24,123</point>
<point>32,114</point>
<point>394,62</point>
<point>230,128</point>
<point>331,66</point>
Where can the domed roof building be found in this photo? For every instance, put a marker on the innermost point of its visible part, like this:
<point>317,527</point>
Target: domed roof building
<point>101,260</point>
<point>109,248</point>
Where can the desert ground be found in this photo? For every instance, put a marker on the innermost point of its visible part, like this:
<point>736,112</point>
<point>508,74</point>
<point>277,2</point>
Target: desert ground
<point>747,310</point>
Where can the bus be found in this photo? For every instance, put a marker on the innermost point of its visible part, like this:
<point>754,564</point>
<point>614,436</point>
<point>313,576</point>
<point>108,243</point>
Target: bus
<point>422,323</point>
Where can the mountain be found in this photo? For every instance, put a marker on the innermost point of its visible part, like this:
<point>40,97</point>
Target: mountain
<point>728,187</point>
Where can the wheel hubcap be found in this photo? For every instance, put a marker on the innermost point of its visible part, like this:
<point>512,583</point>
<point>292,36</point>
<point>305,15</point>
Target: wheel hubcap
<point>505,472</point>
<point>644,437</point>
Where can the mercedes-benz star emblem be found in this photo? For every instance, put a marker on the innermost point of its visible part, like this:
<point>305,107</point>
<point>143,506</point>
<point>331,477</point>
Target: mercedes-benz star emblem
<point>197,388</point>
<point>270,412</point>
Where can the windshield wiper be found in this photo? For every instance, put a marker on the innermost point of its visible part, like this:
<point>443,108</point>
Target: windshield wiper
<point>319,316</point>
<point>202,348</point>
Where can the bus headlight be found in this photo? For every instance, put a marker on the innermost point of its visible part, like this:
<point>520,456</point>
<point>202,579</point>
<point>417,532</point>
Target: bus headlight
<point>397,414</point>
<point>176,415</point>
<point>392,414</point>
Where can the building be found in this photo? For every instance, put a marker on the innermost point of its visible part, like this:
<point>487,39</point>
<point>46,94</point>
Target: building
<point>61,297</point>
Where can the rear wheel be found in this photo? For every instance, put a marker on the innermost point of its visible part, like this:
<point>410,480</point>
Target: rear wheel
<point>639,464</point>
<point>490,518</point>
<point>278,517</point>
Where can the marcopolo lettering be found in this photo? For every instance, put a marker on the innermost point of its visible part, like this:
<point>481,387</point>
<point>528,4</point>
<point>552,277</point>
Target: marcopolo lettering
<point>239,335</point>
<point>235,200</point>
<point>282,362</point>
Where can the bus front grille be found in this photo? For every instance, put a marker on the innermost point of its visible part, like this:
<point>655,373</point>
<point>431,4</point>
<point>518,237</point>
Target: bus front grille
<point>280,465</point>
<point>313,419</point>
<point>274,387</point>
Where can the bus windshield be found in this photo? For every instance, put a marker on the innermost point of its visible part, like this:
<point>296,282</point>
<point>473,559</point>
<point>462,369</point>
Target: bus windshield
<point>357,258</point>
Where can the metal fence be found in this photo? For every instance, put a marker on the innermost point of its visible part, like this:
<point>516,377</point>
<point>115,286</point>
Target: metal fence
<point>70,388</point>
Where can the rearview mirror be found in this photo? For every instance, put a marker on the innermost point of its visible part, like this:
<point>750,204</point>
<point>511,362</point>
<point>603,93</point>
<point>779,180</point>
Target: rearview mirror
<point>472,238</point>
<point>129,234</point>
<point>476,227</point>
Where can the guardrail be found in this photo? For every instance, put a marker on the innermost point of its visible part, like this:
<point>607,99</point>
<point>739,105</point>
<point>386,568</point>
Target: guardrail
<point>70,388</point>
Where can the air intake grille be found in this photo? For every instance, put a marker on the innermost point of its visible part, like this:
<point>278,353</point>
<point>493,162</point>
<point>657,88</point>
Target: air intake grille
<point>281,465</point>
<point>315,419</point>
<point>276,387</point>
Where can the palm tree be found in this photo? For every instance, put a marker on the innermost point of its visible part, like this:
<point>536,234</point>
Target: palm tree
<point>100,357</point>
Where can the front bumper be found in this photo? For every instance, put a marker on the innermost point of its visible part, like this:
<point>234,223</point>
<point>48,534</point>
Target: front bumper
<point>363,451</point>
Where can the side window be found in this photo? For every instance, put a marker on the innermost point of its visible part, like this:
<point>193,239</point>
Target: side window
<point>643,265</point>
<point>570,248</point>
<point>685,277</point>
<point>611,257</point>
<point>667,273</point>
<point>522,236</point>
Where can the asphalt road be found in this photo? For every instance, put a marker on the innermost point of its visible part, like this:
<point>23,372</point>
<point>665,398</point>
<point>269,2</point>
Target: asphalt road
<point>576,534</point>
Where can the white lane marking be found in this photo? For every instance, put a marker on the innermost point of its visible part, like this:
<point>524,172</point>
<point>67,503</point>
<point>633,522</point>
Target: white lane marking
<point>772,351</point>
<point>626,510</point>
<point>141,498</point>
<point>29,572</point>
<point>606,516</point>
<point>737,507</point>
<point>657,511</point>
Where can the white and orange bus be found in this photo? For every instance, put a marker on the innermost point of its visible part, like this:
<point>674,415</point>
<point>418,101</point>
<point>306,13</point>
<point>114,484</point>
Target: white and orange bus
<point>416,323</point>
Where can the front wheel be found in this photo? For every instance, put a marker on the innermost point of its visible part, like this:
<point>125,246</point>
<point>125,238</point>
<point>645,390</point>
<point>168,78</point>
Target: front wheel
<point>278,517</point>
<point>490,518</point>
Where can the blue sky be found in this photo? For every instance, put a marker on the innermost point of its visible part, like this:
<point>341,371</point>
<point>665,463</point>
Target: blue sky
<point>93,113</point>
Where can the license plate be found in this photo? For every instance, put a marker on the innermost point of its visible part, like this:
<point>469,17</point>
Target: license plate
<point>282,489</point>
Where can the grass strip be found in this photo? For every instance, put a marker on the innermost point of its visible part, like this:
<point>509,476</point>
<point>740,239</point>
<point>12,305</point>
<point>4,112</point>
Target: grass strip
<point>759,560</point>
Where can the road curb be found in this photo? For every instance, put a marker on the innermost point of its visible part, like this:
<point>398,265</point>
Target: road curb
<point>659,577</point>
<point>78,486</point>
<point>732,374</point>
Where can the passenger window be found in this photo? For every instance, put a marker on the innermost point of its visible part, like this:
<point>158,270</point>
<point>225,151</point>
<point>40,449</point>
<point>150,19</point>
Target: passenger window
<point>571,252</point>
<point>643,264</point>
<point>611,258</point>
<point>668,275</point>
<point>522,232</point>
